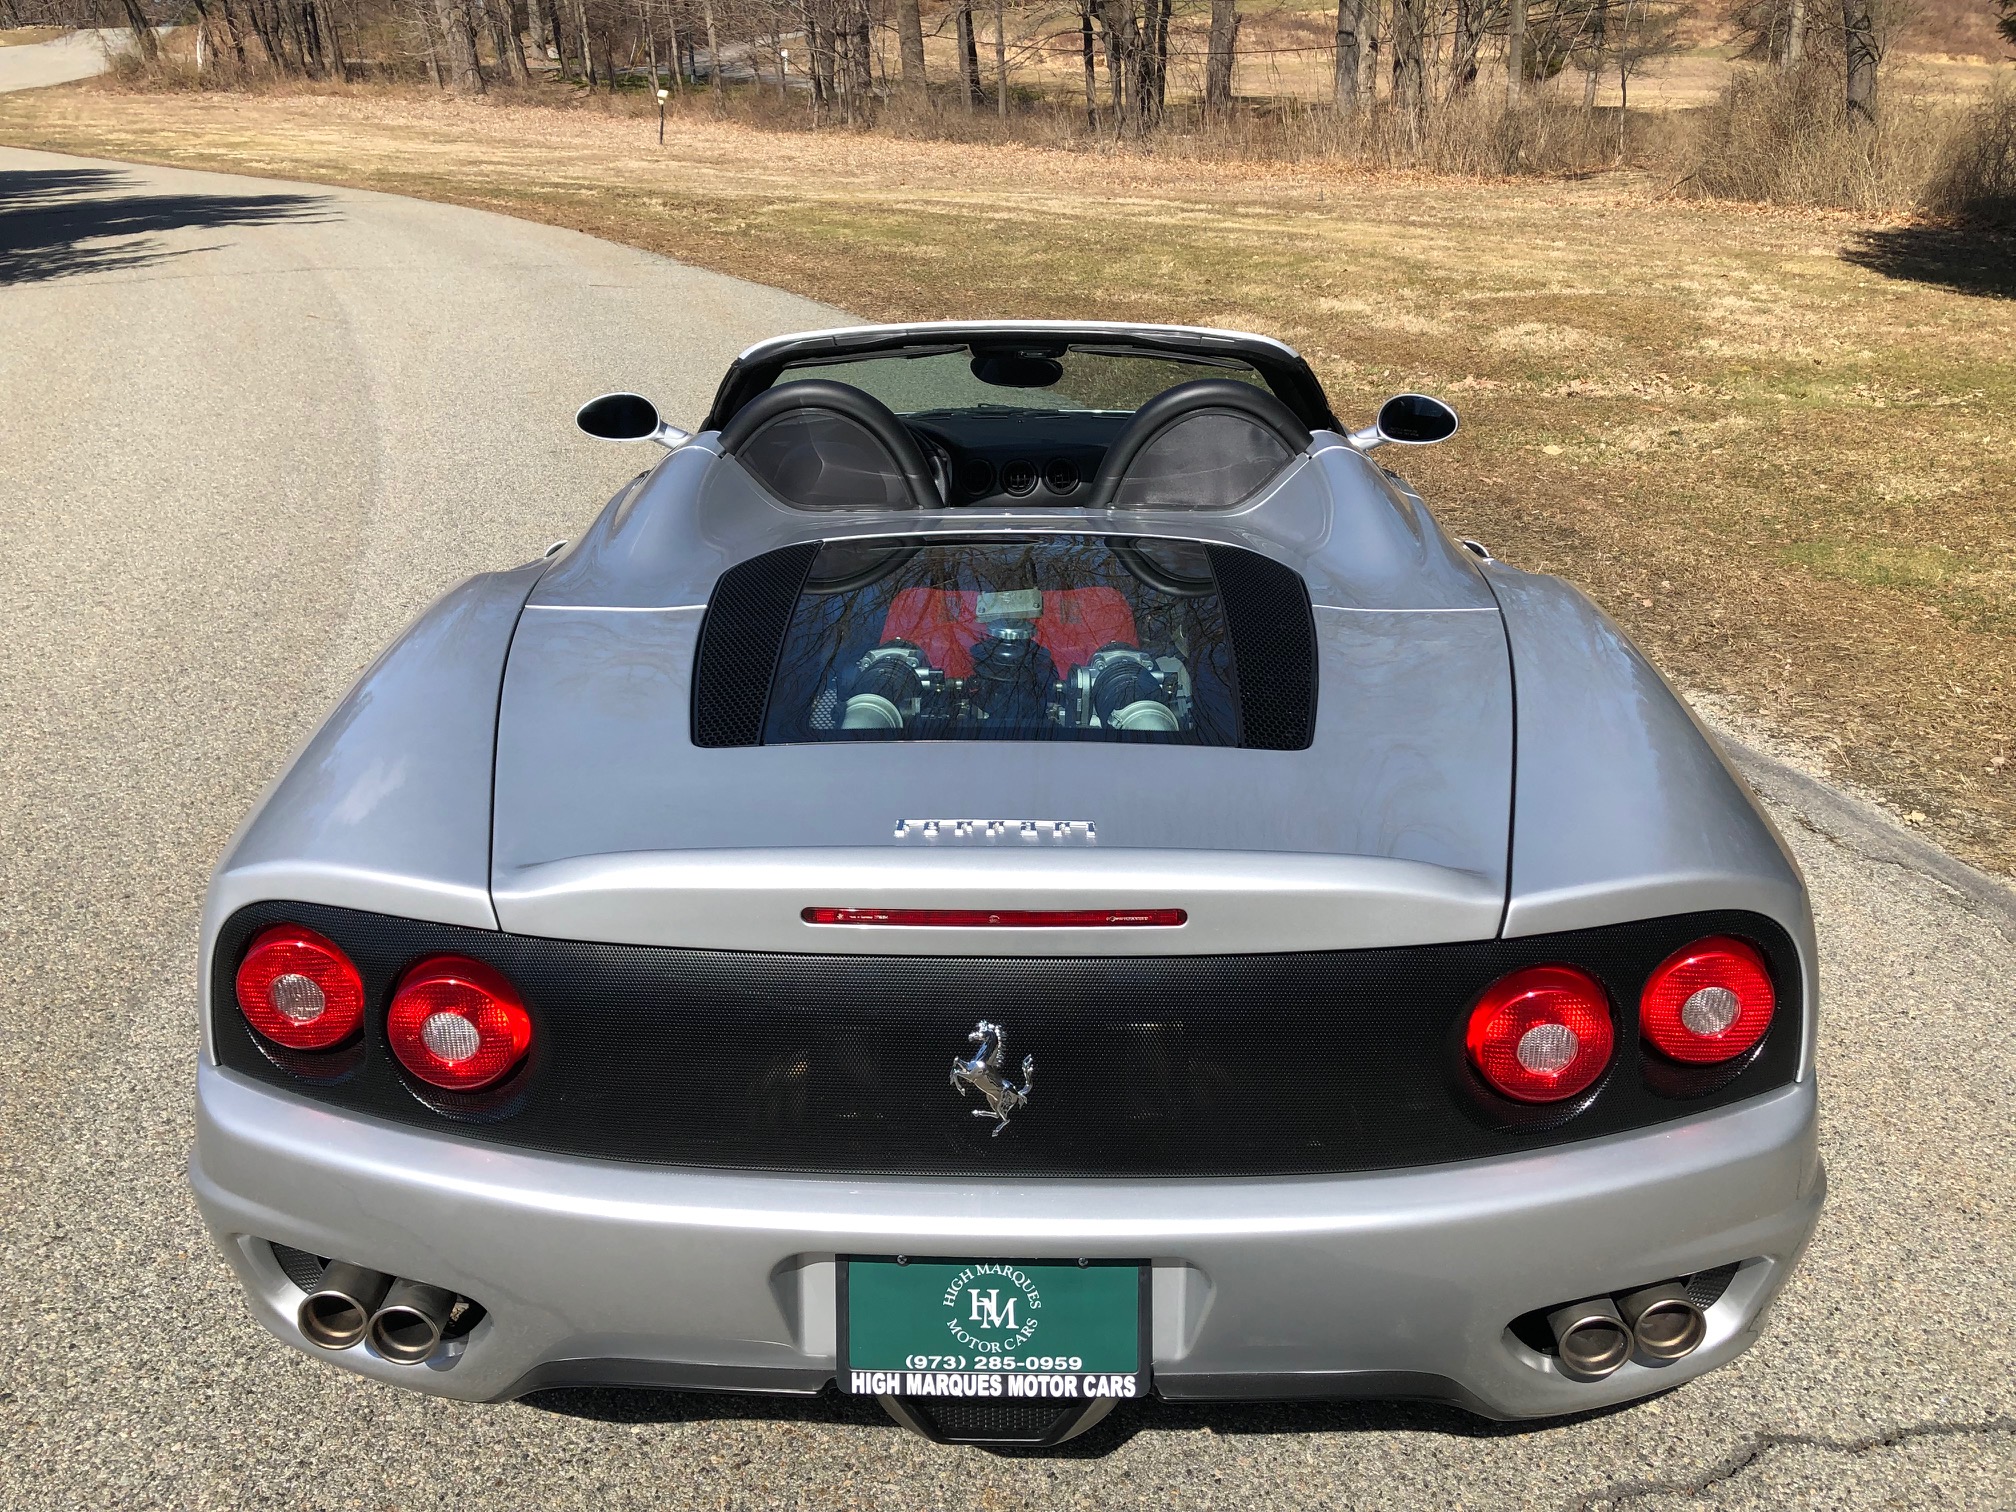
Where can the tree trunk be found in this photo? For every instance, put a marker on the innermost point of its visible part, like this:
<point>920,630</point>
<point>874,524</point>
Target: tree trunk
<point>1463,47</point>
<point>1224,53</point>
<point>339,65</point>
<point>1001,58</point>
<point>1515,50</point>
<point>232,31</point>
<point>1091,69</point>
<point>582,40</point>
<point>1858,27</point>
<point>1350,60</point>
<point>505,39</point>
<point>1161,13</point>
<point>713,44</point>
<point>1375,48</point>
<point>460,38</point>
<point>969,58</point>
<point>1599,42</point>
<point>143,31</point>
<point>1410,64</point>
<point>910,31</point>
<point>1795,34</point>
<point>863,56</point>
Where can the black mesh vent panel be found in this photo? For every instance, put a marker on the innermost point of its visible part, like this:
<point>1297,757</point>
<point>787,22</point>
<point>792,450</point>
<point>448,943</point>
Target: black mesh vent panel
<point>303,1269</point>
<point>988,1421</point>
<point>1273,648</point>
<point>1171,1066</point>
<point>739,640</point>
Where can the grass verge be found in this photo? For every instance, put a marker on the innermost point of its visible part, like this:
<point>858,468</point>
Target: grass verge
<point>1776,445</point>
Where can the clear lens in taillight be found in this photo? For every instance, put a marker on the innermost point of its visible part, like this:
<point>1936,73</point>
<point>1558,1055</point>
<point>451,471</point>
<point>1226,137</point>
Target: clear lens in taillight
<point>299,990</point>
<point>1541,1034</point>
<point>1708,1002</point>
<point>457,1023</point>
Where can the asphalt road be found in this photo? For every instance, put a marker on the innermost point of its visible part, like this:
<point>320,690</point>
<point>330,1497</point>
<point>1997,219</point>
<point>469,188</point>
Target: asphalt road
<point>247,430</point>
<point>62,60</point>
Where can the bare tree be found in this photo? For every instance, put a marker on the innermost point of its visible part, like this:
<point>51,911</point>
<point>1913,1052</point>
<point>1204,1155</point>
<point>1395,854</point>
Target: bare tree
<point>910,32</point>
<point>143,31</point>
<point>458,32</point>
<point>1515,50</point>
<point>505,40</point>
<point>1001,58</point>
<point>969,57</point>
<point>1091,73</point>
<point>1350,53</point>
<point>1858,31</point>
<point>1410,62</point>
<point>1224,46</point>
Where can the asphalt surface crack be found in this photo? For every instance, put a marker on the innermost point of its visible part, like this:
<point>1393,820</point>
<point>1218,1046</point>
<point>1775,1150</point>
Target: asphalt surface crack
<point>1624,1493</point>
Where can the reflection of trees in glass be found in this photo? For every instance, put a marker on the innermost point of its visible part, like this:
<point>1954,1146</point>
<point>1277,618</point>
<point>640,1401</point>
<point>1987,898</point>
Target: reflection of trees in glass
<point>831,631</point>
<point>1092,380</point>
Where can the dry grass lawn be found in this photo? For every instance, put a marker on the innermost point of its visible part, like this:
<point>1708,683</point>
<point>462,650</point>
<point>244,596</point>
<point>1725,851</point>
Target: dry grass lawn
<point>1776,445</point>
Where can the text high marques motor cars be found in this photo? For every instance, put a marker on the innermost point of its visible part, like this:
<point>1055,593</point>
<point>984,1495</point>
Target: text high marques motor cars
<point>1015,870</point>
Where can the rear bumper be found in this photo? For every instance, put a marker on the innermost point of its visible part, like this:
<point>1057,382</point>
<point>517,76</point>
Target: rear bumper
<point>1395,1284</point>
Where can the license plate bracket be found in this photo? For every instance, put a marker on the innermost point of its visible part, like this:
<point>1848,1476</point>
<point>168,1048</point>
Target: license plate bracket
<point>931,1326</point>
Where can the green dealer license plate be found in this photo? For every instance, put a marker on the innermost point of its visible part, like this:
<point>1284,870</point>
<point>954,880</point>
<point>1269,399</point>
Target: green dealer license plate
<point>993,1328</point>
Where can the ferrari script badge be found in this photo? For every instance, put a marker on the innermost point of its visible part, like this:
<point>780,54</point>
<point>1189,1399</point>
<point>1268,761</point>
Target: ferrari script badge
<point>983,1070</point>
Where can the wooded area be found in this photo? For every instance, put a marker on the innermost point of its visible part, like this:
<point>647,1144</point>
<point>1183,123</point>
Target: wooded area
<point>1127,64</point>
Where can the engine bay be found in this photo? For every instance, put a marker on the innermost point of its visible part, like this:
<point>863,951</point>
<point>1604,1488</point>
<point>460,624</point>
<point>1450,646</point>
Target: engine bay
<point>1045,637</point>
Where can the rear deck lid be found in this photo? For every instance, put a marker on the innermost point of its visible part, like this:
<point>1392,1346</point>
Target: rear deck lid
<point>1006,722</point>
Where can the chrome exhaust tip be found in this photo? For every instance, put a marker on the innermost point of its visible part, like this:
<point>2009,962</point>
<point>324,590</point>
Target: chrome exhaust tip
<point>336,1314</point>
<point>407,1326</point>
<point>1664,1322</point>
<point>1590,1338</point>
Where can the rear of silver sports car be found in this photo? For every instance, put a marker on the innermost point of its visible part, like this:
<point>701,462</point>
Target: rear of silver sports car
<point>1271,1052</point>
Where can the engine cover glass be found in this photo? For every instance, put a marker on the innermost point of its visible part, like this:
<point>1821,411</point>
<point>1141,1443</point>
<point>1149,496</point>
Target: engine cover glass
<point>1062,637</point>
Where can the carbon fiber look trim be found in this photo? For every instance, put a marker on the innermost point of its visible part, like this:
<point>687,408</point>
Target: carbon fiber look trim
<point>1273,634</point>
<point>739,640</point>
<point>1187,1066</point>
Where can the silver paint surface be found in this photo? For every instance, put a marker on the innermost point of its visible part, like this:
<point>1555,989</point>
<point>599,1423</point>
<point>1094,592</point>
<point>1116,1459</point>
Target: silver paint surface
<point>1408,1270</point>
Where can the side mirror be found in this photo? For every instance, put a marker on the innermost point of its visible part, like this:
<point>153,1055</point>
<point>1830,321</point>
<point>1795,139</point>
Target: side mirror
<point>1410,420</point>
<point>628,417</point>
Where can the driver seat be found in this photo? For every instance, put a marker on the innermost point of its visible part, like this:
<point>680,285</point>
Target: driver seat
<point>1204,445</point>
<point>817,444</point>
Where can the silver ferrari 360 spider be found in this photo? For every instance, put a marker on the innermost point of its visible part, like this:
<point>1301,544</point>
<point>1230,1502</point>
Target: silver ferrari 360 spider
<point>1016,869</point>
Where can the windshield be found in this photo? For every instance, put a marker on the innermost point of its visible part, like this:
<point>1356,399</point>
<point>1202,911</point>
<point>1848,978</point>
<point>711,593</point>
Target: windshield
<point>967,378</point>
<point>1017,638</point>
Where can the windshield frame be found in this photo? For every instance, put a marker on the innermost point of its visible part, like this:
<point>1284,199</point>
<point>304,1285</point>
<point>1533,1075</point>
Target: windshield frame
<point>1281,369</point>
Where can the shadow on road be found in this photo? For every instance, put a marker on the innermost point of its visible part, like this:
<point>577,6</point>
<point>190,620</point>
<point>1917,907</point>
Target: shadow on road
<point>1968,261</point>
<point>625,1405</point>
<point>55,223</point>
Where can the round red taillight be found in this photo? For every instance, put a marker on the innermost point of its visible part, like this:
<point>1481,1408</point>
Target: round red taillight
<point>1708,1002</point>
<point>458,1024</point>
<point>1541,1034</point>
<point>299,990</point>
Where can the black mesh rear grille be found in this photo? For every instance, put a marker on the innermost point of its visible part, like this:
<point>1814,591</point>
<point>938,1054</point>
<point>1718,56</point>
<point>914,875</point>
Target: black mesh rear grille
<point>1273,648</point>
<point>739,639</point>
<point>984,1421</point>
<point>1176,1066</point>
<point>1705,1289</point>
<point>303,1269</point>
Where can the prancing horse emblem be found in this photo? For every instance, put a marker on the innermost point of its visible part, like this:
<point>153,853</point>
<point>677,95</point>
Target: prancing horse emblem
<point>983,1070</point>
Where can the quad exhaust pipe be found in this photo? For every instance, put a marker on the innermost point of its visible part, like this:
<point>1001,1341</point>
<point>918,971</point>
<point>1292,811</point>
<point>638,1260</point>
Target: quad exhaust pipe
<point>404,1320</point>
<point>1590,1338</point>
<point>1656,1324</point>
<point>407,1327</point>
<point>338,1312</point>
<point>1665,1324</point>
